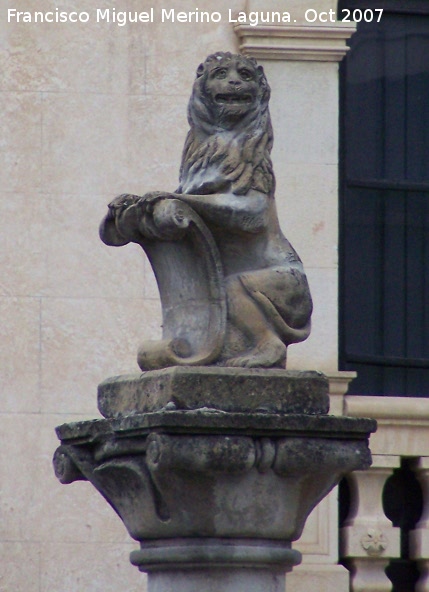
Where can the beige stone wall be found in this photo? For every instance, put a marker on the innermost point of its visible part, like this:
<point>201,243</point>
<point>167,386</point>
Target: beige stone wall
<point>305,107</point>
<point>87,112</point>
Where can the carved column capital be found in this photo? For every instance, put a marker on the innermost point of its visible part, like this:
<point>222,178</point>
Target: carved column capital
<point>207,473</point>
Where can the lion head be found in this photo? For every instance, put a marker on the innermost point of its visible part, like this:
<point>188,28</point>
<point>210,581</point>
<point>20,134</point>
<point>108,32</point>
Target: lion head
<point>230,138</point>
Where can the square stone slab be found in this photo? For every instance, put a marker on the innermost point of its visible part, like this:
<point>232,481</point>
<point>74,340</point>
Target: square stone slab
<point>226,389</point>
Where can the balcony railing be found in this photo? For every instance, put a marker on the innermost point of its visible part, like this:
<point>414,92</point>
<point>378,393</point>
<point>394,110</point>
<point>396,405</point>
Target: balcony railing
<point>384,539</point>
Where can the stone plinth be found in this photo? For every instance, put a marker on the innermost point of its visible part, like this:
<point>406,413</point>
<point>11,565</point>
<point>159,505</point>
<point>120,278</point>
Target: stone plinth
<point>210,494</point>
<point>226,389</point>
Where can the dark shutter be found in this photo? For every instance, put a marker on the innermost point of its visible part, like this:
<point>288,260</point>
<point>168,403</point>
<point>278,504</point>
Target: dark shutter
<point>384,206</point>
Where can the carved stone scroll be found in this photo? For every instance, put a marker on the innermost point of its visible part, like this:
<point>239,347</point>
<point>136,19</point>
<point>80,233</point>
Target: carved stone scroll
<point>188,270</point>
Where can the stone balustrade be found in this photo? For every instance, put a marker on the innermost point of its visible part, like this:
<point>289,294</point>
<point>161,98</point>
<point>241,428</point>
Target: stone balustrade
<point>368,538</point>
<point>419,537</point>
<point>373,547</point>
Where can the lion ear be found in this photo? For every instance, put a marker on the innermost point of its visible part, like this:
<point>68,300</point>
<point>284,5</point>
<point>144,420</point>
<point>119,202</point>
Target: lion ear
<point>262,78</point>
<point>200,70</point>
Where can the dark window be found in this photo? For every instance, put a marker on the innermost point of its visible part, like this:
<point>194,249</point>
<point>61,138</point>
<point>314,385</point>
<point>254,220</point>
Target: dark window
<point>384,207</point>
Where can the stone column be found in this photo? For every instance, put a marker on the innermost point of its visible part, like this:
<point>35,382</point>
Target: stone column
<point>220,580</point>
<point>214,471</point>
<point>216,565</point>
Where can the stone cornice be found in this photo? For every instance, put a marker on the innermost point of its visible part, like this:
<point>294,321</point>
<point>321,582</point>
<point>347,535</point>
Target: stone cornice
<point>388,408</point>
<point>295,42</point>
<point>403,424</point>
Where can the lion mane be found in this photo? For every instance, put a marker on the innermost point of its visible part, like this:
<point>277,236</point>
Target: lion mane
<point>219,155</point>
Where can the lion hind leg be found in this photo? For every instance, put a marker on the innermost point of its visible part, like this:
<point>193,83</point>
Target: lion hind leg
<point>269,352</point>
<point>283,297</point>
<point>270,324</point>
<point>265,348</point>
<point>287,333</point>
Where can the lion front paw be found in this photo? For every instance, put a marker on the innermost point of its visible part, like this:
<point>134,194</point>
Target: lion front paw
<point>150,199</point>
<point>120,203</point>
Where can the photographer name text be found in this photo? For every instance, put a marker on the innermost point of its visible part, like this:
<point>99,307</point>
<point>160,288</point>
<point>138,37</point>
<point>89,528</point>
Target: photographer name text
<point>122,18</point>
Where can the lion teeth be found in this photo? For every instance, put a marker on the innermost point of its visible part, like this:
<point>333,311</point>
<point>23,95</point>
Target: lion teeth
<point>231,99</point>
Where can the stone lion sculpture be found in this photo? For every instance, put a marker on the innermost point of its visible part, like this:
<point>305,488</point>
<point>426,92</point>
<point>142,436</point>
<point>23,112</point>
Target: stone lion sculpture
<point>233,289</point>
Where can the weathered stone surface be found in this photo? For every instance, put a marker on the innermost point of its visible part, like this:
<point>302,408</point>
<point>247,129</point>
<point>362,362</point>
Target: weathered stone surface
<point>227,389</point>
<point>214,470</point>
<point>208,421</point>
<point>211,493</point>
<point>207,473</point>
<point>233,289</point>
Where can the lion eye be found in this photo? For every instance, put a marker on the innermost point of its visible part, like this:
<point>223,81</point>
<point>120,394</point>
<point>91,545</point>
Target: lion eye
<point>220,73</point>
<point>246,74</point>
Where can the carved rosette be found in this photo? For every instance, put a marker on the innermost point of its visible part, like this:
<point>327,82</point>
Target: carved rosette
<point>374,542</point>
